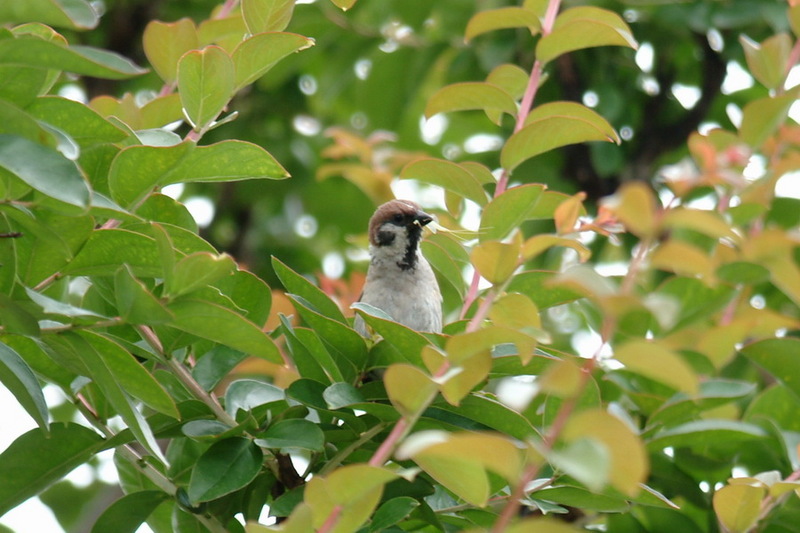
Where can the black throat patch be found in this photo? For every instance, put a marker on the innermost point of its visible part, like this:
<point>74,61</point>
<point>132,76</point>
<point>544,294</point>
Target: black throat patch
<point>409,260</point>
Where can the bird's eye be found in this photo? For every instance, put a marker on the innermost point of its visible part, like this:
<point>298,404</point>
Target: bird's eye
<point>398,218</point>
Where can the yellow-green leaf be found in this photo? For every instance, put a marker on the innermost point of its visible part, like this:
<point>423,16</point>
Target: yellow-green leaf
<point>629,463</point>
<point>165,42</point>
<point>448,175</point>
<point>760,118</point>
<point>515,311</point>
<point>636,208</point>
<point>256,55</point>
<point>495,260</point>
<point>706,222</point>
<point>683,259</point>
<point>470,96</point>
<point>738,506</point>
<point>551,126</point>
<point>506,212</point>
<point>540,243</point>
<point>344,5</point>
<point>584,27</point>
<point>767,60</point>
<point>354,489</point>
<point>205,82</point>
<point>659,363</point>
<point>409,388</point>
<point>510,78</point>
<point>267,15</point>
<point>501,18</point>
<point>562,378</point>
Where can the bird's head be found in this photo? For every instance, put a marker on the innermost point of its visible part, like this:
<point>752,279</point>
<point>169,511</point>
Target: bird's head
<point>395,231</point>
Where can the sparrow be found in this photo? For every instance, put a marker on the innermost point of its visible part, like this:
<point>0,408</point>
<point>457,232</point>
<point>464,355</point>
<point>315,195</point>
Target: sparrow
<point>400,280</point>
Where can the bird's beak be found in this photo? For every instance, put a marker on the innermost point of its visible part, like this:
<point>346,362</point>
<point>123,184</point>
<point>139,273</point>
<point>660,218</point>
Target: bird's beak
<point>422,219</point>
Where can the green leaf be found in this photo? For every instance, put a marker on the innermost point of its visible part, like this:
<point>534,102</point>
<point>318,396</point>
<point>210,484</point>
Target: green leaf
<point>293,433</point>
<point>37,459</point>
<point>340,395</point>
<point>214,365</point>
<point>762,117</point>
<point>211,321</point>
<point>391,512</point>
<point>509,211</point>
<point>165,42</point>
<point>15,121</point>
<point>199,270</point>
<point>310,356</point>
<point>267,15</point>
<point>131,375</point>
<point>230,160</point>
<point>582,499</point>
<point>537,285</point>
<point>584,27</point>
<point>18,378</point>
<point>713,393</point>
<point>313,295</point>
<point>106,249</point>
<point>44,169</point>
<point>227,466</point>
<point>743,272</point>
<point>135,303</point>
<point>553,125</point>
<point>347,344</point>
<point>74,14</point>
<point>205,83</point>
<point>407,341</point>
<point>780,357</point>
<point>104,370</point>
<point>657,362</point>
<point>767,60</point>
<point>56,307</point>
<point>137,170</point>
<point>448,175</point>
<point>246,394</point>
<point>256,55</point>
<point>80,121</point>
<point>36,52</point>
<point>470,96</point>
<point>129,512</point>
<point>705,434</point>
<point>502,18</point>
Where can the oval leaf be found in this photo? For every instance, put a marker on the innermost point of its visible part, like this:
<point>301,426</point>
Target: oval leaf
<point>165,42</point>
<point>44,169</point>
<point>37,459</point>
<point>470,96</point>
<point>225,467</point>
<point>502,18</point>
<point>448,175</point>
<point>552,126</point>
<point>584,27</point>
<point>205,83</point>
<point>254,56</point>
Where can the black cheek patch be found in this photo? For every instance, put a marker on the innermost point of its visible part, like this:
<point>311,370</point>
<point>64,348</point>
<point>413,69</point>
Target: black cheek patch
<point>385,238</point>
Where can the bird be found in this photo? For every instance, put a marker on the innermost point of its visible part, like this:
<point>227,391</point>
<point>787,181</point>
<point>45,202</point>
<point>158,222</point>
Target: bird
<point>400,281</point>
